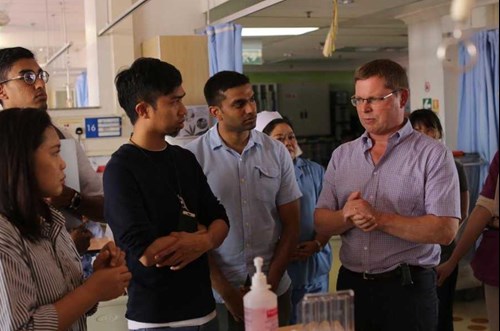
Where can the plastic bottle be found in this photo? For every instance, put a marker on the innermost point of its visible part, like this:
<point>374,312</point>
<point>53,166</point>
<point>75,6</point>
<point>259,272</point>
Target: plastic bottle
<point>261,304</point>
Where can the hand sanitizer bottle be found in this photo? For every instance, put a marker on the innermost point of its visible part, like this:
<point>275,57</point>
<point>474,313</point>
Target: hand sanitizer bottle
<point>261,304</point>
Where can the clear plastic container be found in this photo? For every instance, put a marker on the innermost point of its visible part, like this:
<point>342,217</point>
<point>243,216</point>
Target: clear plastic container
<point>327,311</point>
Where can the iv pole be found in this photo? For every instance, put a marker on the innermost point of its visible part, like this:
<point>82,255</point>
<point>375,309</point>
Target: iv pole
<point>460,11</point>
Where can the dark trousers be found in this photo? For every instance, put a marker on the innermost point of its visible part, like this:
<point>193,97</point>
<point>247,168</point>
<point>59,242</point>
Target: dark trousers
<point>387,305</point>
<point>227,322</point>
<point>446,296</point>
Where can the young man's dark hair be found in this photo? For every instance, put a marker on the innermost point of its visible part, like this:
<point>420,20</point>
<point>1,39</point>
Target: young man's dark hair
<point>394,74</point>
<point>145,80</point>
<point>9,56</point>
<point>220,83</point>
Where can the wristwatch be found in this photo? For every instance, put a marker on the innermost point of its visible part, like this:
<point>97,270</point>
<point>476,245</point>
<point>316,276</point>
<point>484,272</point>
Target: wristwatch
<point>76,200</point>
<point>320,247</point>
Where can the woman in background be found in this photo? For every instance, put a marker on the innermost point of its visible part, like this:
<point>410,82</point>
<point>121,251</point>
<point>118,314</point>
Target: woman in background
<point>427,122</point>
<point>41,280</point>
<point>312,259</point>
<point>482,220</point>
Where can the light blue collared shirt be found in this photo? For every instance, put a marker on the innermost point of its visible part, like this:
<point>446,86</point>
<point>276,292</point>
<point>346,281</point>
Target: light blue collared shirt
<point>250,186</point>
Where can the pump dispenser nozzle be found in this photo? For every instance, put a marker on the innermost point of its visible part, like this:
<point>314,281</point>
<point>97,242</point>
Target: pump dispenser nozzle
<point>260,303</point>
<point>259,279</point>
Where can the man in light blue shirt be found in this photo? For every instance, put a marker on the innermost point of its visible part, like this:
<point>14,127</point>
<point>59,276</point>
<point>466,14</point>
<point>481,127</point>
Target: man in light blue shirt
<point>253,177</point>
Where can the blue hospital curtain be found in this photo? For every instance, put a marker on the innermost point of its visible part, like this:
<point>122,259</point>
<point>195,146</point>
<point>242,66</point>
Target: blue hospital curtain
<point>82,92</point>
<point>225,48</point>
<point>478,101</point>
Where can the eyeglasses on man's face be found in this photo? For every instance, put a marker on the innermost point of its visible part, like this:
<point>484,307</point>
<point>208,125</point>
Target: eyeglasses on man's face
<point>357,101</point>
<point>30,77</point>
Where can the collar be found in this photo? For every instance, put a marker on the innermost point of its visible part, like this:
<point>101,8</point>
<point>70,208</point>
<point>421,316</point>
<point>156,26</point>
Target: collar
<point>51,229</point>
<point>394,138</point>
<point>216,142</point>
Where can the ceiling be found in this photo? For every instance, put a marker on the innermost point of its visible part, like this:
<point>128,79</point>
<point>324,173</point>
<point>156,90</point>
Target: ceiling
<point>367,29</point>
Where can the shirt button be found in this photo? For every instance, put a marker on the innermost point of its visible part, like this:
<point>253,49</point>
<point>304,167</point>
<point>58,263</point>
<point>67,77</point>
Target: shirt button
<point>243,180</point>
<point>375,173</point>
<point>244,201</point>
<point>365,248</point>
<point>371,197</point>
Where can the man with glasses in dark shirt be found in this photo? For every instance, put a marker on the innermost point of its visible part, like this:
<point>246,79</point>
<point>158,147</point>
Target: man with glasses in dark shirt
<point>393,197</point>
<point>22,85</point>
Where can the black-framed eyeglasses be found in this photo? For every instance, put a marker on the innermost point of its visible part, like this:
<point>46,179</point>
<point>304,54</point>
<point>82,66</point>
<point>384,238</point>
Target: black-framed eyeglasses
<point>30,77</point>
<point>357,101</point>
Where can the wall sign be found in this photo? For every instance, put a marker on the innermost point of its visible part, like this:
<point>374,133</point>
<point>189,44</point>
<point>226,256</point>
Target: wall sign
<point>98,127</point>
<point>427,103</point>
<point>435,105</point>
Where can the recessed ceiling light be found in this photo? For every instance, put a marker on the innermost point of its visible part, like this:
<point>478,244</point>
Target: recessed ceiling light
<point>263,32</point>
<point>346,2</point>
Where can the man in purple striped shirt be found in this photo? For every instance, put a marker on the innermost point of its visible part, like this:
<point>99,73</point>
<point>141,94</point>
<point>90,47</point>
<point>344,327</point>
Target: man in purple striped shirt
<point>393,196</point>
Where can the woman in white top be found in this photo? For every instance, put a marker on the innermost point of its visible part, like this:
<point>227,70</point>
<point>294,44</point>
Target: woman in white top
<point>41,281</point>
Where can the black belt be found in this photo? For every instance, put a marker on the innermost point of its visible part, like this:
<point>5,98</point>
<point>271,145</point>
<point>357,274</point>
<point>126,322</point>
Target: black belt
<point>397,273</point>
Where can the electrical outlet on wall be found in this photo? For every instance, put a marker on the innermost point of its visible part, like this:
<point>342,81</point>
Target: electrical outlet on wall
<point>70,125</point>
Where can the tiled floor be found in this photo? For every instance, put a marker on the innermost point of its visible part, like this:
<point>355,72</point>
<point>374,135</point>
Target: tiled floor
<point>470,315</point>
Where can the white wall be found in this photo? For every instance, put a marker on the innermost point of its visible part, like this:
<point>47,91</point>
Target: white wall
<point>173,17</point>
<point>117,49</point>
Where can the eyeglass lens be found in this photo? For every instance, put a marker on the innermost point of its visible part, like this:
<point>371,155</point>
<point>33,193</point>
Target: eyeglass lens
<point>30,77</point>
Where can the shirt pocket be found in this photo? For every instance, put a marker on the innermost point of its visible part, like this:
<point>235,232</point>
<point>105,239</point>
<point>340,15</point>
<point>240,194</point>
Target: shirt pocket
<point>404,194</point>
<point>267,183</point>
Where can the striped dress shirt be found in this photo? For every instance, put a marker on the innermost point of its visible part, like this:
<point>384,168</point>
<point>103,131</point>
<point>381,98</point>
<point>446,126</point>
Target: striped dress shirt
<point>34,275</point>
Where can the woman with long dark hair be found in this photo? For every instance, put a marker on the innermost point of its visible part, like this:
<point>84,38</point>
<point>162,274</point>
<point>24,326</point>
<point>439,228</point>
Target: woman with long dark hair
<point>41,280</point>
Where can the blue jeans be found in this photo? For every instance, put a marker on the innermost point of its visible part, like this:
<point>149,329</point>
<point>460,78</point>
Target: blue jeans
<point>212,325</point>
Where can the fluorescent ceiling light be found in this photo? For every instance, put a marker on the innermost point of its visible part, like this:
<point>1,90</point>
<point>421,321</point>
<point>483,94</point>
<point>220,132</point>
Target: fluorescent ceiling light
<point>263,32</point>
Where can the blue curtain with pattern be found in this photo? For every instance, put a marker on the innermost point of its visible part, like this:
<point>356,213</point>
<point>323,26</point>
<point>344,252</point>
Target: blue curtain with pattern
<point>478,119</point>
<point>225,47</point>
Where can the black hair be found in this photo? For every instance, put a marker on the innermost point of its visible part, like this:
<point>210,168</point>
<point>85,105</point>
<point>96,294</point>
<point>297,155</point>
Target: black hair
<point>219,83</point>
<point>426,117</point>
<point>145,81</point>
<point>271,125</point>
<point>9,56</point>
<point>394,74</point>
<point>21,202</point>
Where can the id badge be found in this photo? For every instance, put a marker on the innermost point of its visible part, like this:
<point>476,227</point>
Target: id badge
<point>187,222</point>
